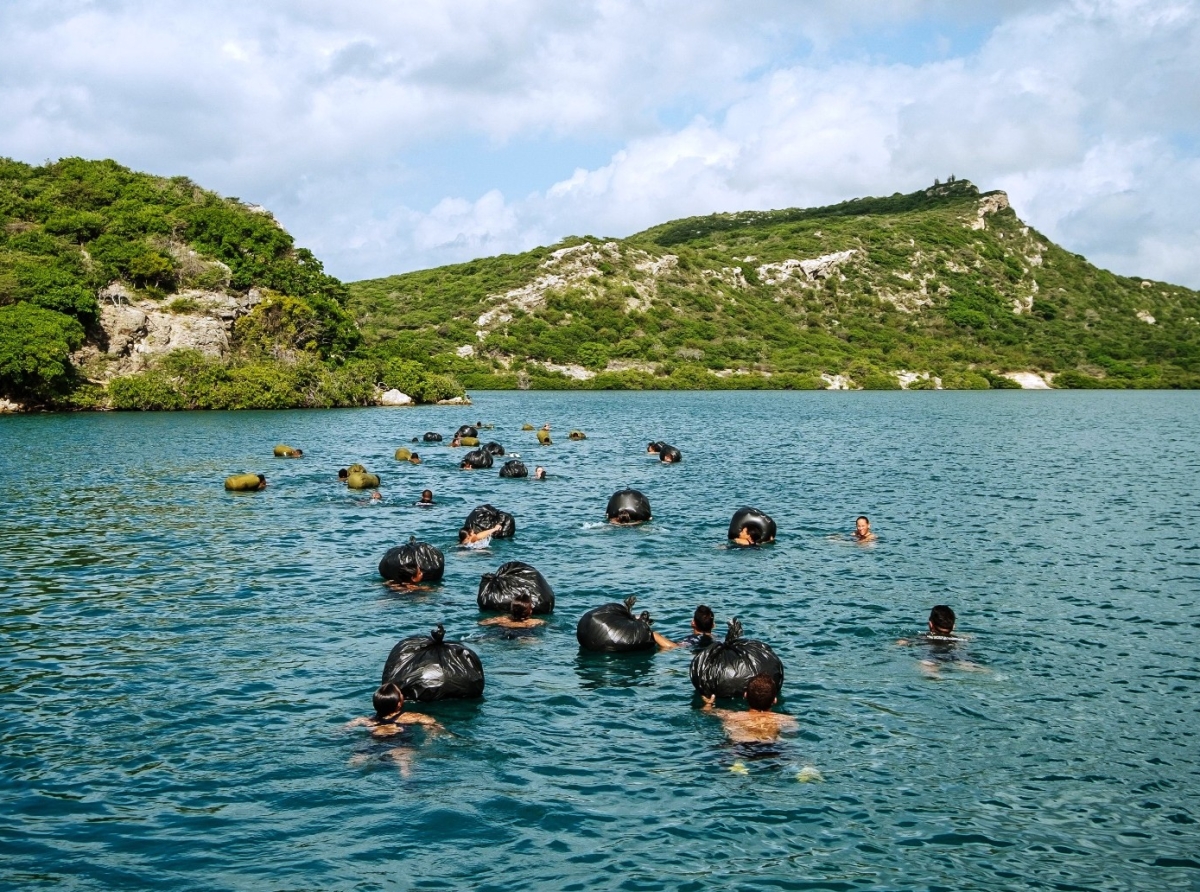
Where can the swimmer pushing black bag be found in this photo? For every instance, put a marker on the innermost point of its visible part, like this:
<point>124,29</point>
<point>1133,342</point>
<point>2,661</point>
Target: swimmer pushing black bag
<point>497,590</point>
<point>466,431</point>
<point>726,668</point>
<point>493,448</point>
<point>477,459</point>
<point>760,527</point>
<point>628,506</point>
<point>514,467</point>
<point>668,454</point>
<point>412,563</point>
<point>485,517</point>
<point>426,668</point>
<point>612,628</point>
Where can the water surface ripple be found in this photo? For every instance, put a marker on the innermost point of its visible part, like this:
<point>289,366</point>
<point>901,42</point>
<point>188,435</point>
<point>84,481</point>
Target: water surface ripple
<point>178,663</point>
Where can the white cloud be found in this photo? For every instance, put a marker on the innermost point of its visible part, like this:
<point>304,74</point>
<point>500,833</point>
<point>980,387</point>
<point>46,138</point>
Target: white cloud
<point>1087,111</point>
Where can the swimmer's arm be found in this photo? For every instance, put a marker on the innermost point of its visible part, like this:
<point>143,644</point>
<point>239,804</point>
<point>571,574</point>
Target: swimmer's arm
<point>360,722</point>
<point>664,642</point>
<point>494,621</point>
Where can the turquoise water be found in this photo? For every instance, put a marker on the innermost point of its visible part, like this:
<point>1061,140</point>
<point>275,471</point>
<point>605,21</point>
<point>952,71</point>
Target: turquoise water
<point>178,663</point>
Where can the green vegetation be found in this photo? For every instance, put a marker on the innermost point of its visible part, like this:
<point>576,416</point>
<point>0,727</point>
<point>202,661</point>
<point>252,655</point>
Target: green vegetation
<point>943,283</point>
<point>69,230</point>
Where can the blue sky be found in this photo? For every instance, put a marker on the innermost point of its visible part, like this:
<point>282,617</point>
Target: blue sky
<point>392,136</point>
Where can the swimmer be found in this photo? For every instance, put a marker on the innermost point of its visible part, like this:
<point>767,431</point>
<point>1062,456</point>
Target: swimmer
<point>747,537</point>
<point>482,539</point>
<point>376,496</point>
<point>343,474</point>
<point>624,517</point>
<point>426,499</point>
<point>388,701</point>
<point>539,473</point>
<point>942,643</point>
<point>411,586</point>
<point>457,441</point>
<point>701,637</point>
<point>758,724</point>
<point>520,615</point>
<point>262,482</point>
<point>414,459</point>
<point>862,529</point>
<point>653,448</point>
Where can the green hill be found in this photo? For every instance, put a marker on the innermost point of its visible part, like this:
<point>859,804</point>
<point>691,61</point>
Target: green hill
<point>943,287</point>
<point>125,290</point>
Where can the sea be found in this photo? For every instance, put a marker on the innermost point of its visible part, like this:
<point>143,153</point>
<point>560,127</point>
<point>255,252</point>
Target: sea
<point>180,665</point>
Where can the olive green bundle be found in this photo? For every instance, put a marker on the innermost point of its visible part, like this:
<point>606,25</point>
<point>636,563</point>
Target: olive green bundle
<point>362,480</point>
<point>544,437</point>
<point>577,435</point>
<point>403,454</point>
<point>243,482</point>
<point>284,451</point>
<point>356,469</point>
<point>469,441</point>
<point>526,427</point>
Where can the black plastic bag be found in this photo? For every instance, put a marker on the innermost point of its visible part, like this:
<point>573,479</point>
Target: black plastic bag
<point>431,437</point>
<point>726,668</point>
<point>493,448</point>
<point>496,590</point>
<point>485,517</point>
<point>466,431</point>
<point>514,467</point>
<point>759,524</point>
<point>427,668</point>
<point>413,562</point>
<point>628,506</point>
<point>612,628</point>
<point>669,454</point>
<point>477,459</point>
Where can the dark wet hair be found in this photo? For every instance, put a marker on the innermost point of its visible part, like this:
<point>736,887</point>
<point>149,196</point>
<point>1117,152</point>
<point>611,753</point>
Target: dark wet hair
<point>942,617</point>
<point>703,618</point>
<point>624,515</point>
<point>297,451</point>
<point>261,480</point>
<point>413,456</point>
<point>387,699</point>
<point>761,692</point>
<point>863,517</point>
<point>654,447</point>
<point>521,607</point>
<point>427,495</point>
<point>343,474</point>
<point>462,534</point>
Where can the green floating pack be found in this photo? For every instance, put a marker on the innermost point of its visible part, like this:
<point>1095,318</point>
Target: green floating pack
<point>469,441</point>
<point>242,482</point>
<point>526,427</point>
<point>356,469</point>
<point>577,435</point>
<point>403,454</point>
<point>284,451</point>
<point>544,437</point>
<point>362,480</point>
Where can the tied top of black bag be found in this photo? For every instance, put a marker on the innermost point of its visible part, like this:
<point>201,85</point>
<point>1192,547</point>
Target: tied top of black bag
<point>735,631</point>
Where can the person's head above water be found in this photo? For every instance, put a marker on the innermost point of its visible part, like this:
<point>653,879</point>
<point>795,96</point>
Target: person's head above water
<point>539,473</point>
<point>521,607</point>
<point>388,699</point>
<point>702,619</point>
<point>862,526</point>
<point>343,474</point>
<point>427,496</point>
<point>376,496</point>
<point>262,481</point>
<point>761,692</point>
<point>941,620</point>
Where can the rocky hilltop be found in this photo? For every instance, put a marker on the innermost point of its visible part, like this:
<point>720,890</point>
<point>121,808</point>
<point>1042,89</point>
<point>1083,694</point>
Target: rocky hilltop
<point>942,288</point>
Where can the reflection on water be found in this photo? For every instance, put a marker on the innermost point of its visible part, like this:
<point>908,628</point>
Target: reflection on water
<point>178,663</point>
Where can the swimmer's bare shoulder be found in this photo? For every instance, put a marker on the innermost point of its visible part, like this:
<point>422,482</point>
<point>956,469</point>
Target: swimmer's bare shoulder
<point>752,726</point>
<point>509,623</point>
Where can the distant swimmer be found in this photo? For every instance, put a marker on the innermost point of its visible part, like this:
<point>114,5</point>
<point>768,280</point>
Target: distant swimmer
<point>414,459</point>
<point>539,473</point>
<point>520,614</point>
<point>862,529</point>
<point>758,724</point>
<point>390,716</point>
<point>343,474</point>
<point>701,637</point>
<point>747,536</point>
<point>376,496</point>
<point>653,448</point>
<point>426,500</point>
<point>942,644</point>
<point>481,539</point>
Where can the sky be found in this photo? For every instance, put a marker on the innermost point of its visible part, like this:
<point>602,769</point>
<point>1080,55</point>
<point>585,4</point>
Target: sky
<point>392,136</point>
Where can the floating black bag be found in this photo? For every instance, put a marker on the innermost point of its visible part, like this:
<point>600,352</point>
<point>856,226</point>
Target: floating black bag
<point>431,437</point>
<point>497,590</point>
<point>669,454</point>
<point>726,668</point>
<point>493,448</point>
<point>477,459</point>
<point>612,628</point>
<point>761,526</point>
<point>485,517</point>
<point>426,668</point>
<point>466,431</point>
<point>514,467</point>
<point>628,506</point>
<point>404,562</point>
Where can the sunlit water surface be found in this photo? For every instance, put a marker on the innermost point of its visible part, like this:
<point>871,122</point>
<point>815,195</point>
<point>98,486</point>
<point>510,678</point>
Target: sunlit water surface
<point>178,663</point>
